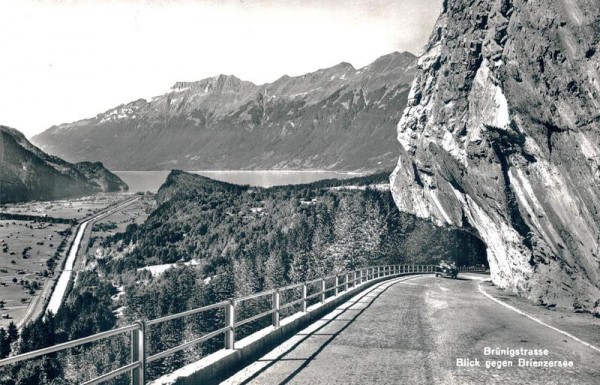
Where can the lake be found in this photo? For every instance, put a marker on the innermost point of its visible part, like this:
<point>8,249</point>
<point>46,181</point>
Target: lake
<point>152,180</point>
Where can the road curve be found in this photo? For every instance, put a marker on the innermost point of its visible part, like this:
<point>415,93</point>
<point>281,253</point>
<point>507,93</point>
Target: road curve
<point>412,332</point>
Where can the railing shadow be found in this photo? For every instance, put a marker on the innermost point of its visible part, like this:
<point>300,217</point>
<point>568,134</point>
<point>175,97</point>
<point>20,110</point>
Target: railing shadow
<point>332,336</point>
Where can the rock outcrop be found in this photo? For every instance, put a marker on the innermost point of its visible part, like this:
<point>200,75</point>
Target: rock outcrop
<point>27,173</point>
<point>337,118</point>
<point>502,135</point>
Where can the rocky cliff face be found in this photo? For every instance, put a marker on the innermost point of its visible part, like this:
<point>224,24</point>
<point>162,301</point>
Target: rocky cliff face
<point>27,173</point>
<point>337,118</point>
<point>502,134</point>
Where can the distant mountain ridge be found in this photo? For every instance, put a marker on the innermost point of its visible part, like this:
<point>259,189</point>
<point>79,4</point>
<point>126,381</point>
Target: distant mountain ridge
<point>337,118</point>
<point>27,173</point>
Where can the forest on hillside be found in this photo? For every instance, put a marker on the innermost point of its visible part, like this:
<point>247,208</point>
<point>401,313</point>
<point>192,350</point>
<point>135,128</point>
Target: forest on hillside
<point>241,240</point>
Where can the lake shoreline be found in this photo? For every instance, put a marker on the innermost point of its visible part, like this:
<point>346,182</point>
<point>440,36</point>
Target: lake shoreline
<point>357,173</point>
<point>142,181</point>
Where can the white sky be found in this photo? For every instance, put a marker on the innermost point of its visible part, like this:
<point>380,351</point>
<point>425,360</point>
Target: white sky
<point>62,61</point>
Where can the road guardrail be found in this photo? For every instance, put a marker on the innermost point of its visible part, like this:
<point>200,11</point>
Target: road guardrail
<point>333,285</point>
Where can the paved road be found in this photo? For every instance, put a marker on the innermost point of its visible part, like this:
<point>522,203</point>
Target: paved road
<point>412,332</point>
<point>63,280</point>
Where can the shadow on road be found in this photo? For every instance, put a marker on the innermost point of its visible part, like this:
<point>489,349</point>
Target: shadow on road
<point>332,337</point>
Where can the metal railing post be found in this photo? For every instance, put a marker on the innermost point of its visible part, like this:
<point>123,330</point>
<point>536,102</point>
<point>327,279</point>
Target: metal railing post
<point>138,354</point>
<point>336,283</point>
<point>276,308</point>
<point>304,297</point>
<point>346,276</point>
<point>354,278</point>
<point>230,323</point>
<point>323,287</point>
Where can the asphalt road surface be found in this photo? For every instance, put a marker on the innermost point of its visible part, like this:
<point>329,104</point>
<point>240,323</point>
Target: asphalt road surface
<point>412,331</point>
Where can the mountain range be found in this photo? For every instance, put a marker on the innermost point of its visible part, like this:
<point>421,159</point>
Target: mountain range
<point>27,173</point>
<point>337,118</point>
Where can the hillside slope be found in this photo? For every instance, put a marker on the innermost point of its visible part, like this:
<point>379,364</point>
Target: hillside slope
<point>330,227</point>
<point>337,118</point>
<point>27,173</point>
<point>502,133</point>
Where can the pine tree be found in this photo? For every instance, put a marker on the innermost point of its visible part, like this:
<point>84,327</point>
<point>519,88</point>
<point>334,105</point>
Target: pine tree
<point>13,332</point>
<point>4,344</point>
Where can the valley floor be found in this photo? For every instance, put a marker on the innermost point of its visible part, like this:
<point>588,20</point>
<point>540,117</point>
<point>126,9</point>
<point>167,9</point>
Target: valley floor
<point>26,280</point>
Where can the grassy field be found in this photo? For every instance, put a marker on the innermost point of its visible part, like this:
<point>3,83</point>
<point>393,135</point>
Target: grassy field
<point>78,208</point>
<point>25,248</point>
